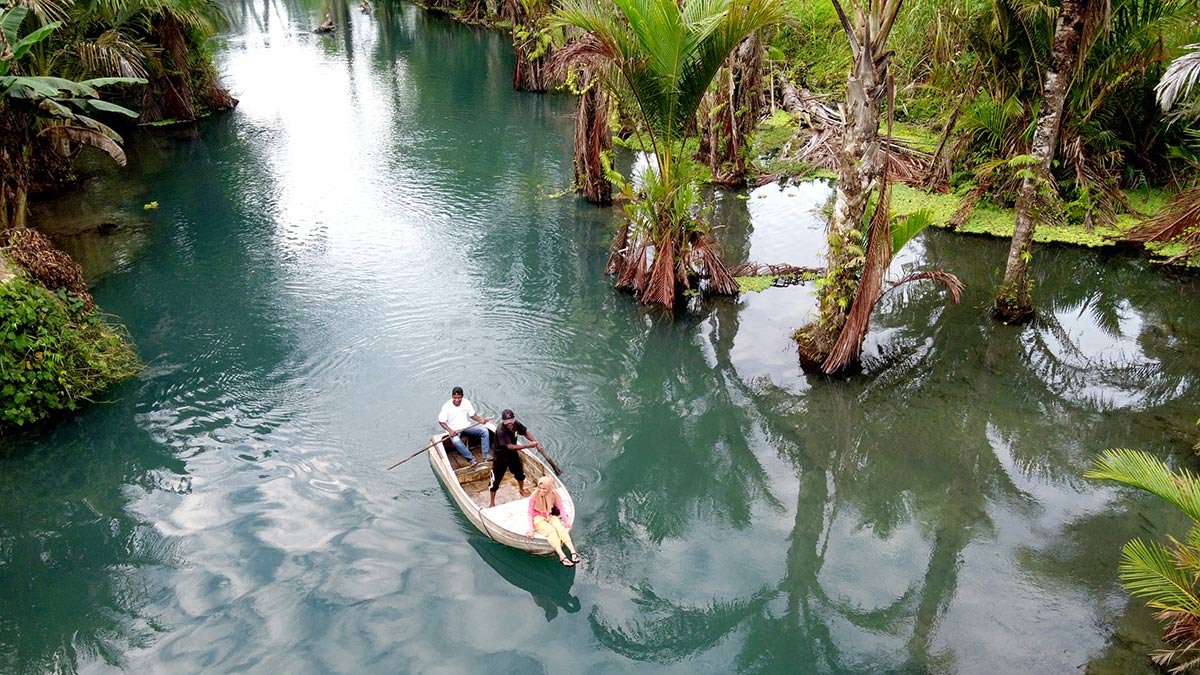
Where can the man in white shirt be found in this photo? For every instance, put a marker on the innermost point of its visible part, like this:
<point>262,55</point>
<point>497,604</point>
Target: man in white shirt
<point>456,418</point>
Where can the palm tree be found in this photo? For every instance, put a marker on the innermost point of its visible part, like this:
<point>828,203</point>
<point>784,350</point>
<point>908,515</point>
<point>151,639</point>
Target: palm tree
<point>1013,302</point>
<point>860,251</point>
<point>658,58</point>
<point>730,112</point>
<point>36,108</point>
<point>1165,576</point>
<point>1179,220</point>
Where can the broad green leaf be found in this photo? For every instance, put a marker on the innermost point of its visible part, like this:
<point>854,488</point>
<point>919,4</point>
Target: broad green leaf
<point>105,81</point>
<point>24,44</point>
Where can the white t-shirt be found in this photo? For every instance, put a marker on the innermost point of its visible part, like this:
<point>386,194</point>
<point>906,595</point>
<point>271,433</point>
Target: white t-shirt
<point>457,417</point>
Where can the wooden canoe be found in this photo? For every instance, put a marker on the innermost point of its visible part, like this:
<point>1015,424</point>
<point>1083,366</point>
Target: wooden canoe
<point>507,521</point>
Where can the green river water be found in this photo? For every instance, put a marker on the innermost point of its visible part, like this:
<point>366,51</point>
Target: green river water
<point>371,226</point>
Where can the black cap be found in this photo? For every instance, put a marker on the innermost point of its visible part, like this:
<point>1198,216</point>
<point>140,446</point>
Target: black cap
<point>507,416</point>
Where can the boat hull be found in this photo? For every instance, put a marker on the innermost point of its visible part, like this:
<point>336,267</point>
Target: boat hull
<point>507,522</point>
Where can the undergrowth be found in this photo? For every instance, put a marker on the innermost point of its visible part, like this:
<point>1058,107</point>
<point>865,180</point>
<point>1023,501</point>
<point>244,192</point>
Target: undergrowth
<point>54,352</point>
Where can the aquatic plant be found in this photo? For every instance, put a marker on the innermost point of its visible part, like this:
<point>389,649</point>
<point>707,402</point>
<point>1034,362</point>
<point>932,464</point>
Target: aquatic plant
<point>660,58</point>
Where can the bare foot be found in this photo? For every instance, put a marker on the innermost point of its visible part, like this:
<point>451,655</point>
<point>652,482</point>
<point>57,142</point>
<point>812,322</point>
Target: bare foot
<point>492,502</point>
<point>524,492</point>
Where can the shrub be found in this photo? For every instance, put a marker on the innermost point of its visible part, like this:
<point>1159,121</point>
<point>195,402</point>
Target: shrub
<point>54,352</point>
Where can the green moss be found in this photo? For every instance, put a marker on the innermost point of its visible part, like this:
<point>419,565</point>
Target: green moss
<point>912,135</point>
<point>754,284</point>
<point>998,222</point>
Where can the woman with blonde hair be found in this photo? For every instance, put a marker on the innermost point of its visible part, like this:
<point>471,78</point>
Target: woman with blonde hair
<point>547,517</point>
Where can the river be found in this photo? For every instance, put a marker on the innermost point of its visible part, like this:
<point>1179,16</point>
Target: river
<point>372,226</point>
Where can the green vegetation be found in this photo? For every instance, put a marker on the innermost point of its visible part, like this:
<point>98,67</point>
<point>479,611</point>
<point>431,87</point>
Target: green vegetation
<point>660,58</point>
<point>998,221</point>
<point>54,352</point>
<point>754,284</point>
<point>1164,576</point>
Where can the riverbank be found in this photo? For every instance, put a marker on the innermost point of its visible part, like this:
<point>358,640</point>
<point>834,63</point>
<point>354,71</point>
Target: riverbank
<point>56,350</point>
<point>983,218</point>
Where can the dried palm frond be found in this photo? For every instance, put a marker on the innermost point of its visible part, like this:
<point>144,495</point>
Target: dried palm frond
<point>720,279</point>
<point>112,54</point>
<point>47,10</point>
<point>1178,221</point>
<point>752,269</point>
<point>818,138</point>
<point>953,284</point>
<point>616,250</point>
<point>660,288</point>
<point>1105,198</point>
<point>51,267</point>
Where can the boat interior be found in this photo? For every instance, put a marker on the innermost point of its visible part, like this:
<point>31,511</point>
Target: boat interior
<point>476,479</point>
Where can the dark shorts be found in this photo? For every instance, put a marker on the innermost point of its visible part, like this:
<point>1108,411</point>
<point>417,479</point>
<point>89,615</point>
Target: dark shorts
<point>506,460</point>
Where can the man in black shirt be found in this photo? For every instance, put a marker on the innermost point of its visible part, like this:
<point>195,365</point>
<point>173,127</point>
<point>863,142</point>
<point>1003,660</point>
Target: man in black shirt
<point>506,457</point>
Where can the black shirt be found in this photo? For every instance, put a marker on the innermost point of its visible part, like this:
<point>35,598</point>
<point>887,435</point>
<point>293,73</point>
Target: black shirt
<point>505,436</point>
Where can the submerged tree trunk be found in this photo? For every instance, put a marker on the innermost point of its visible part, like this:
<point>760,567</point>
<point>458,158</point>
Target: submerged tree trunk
<point>860,168</point>
<point>177,85</point>
<point>168,95</point>
<point>731,111</point>
<point>1013,301</point>
<point>593,142</point>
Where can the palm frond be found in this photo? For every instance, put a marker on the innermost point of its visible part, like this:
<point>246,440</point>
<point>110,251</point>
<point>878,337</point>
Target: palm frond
<point>1148,572</point>
<point>1177,222</point>
<point>112,53</point>
<point>1145,472</point>
<point>1176,84</point>
<point>953,284</point>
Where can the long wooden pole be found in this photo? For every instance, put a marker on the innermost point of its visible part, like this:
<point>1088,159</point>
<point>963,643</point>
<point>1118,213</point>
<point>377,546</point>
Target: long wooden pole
<point>557,471</point>
<point>430,446</point>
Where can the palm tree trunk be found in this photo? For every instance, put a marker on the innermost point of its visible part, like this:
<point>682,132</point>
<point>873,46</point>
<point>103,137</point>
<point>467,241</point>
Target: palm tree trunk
<point>168,96</point>
<point>529,70</point>
<point>593,140</point>
<point>1013,302</point>
<point>860,169</point>
<point>731,112</point>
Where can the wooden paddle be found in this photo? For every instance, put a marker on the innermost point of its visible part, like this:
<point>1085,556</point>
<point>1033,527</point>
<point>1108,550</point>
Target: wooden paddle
<point>431,445</point>
<point>557,471</point>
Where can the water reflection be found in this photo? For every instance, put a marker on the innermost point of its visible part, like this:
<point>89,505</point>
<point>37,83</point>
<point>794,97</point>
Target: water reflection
<point>71,549</point>
<point>904,538</point>
<point>323,267</point>
<point>546,581</point>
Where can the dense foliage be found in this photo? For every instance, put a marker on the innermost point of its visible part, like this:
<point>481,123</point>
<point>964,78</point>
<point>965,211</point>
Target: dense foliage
<point>54,352</point>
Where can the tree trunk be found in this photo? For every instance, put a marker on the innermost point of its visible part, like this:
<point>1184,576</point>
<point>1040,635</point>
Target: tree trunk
<point>168,95</point>
<point>529,69</point>
<point>593,141</point>
<point>730,113</point>
<point>859,172</point>
<point>1013,302</point>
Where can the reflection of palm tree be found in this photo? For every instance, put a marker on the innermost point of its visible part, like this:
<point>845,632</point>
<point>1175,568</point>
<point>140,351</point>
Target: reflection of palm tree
<point>681,461</point>
<point>673,632</point>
